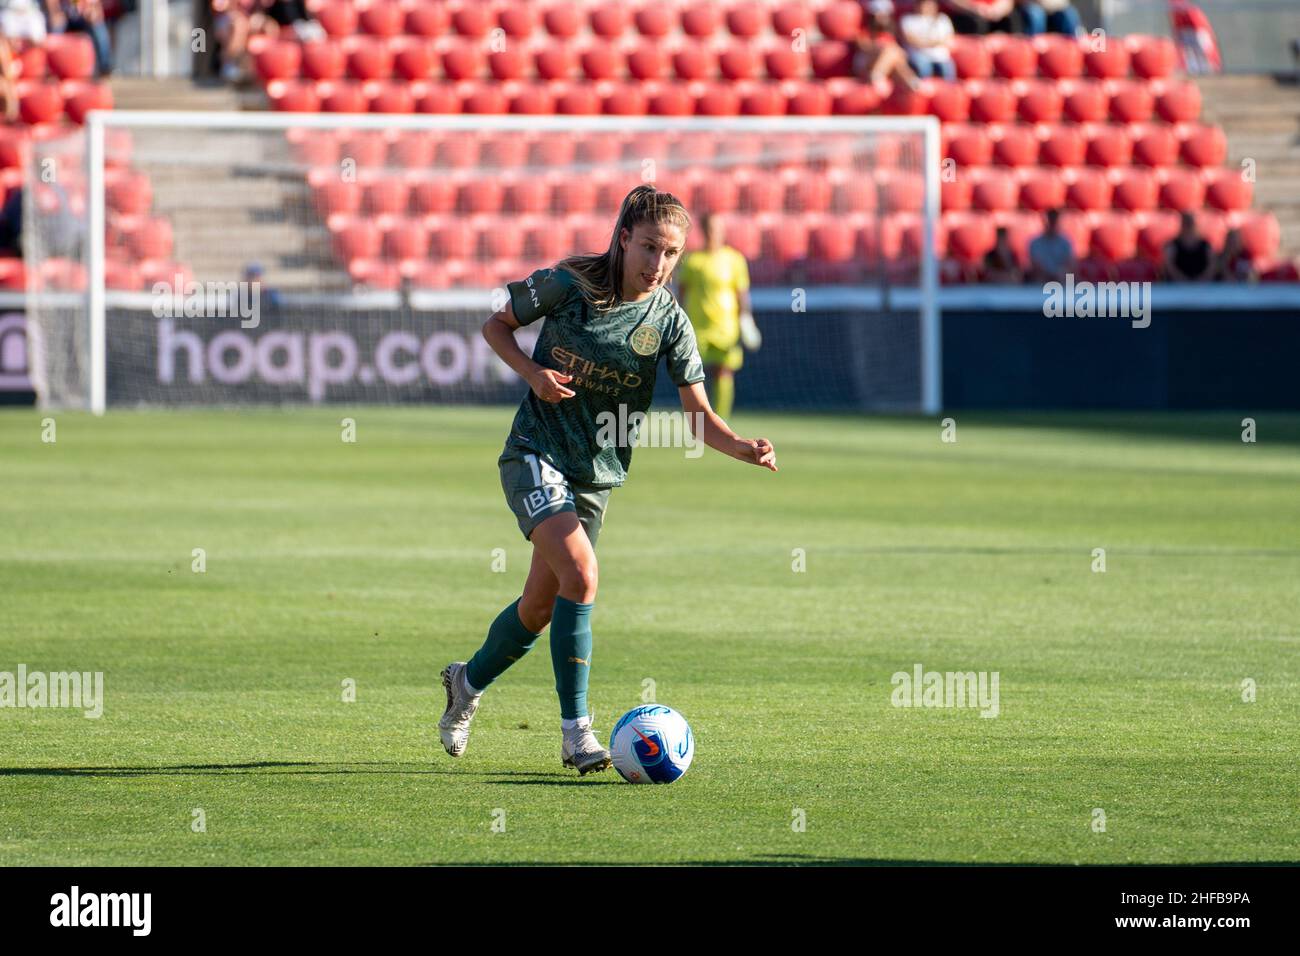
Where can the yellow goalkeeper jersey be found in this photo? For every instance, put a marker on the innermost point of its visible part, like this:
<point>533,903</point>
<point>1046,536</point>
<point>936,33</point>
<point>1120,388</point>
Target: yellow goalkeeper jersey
<point>710,284</point>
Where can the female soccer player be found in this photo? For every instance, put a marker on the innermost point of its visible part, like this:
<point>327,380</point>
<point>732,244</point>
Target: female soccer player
<point>609,319</point>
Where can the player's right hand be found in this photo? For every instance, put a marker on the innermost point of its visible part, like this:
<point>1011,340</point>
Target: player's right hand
<point>546,383</point>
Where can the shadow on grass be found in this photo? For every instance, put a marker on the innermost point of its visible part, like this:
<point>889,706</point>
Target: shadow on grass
<point>561,778</point>
<point>811,859</point>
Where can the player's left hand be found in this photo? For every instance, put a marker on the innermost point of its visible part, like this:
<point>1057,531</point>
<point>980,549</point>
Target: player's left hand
<point>757,451</point>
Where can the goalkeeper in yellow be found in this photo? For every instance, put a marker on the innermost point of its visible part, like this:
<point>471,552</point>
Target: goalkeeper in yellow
<point>713,288</point>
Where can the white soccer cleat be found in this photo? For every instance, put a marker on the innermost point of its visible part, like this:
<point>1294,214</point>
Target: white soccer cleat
<point>461,704</point>
<point>581,750</point>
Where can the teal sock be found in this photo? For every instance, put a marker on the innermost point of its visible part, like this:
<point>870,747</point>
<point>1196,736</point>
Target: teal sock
<point>507,641</point>
<point>571,654</point>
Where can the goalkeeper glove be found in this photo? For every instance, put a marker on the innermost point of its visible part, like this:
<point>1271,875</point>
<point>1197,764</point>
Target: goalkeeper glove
<point>749,334</point>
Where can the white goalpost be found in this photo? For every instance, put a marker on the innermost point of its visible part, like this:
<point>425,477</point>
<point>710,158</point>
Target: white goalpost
<point>370,247</point>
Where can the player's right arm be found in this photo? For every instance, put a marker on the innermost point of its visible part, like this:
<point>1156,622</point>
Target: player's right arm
<point>499,332</point>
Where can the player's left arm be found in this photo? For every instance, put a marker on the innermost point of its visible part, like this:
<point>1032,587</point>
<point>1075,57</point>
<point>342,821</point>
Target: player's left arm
<point>716,434</point>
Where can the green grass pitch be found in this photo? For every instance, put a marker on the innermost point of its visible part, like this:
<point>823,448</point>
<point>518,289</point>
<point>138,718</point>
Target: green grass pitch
<point>372,562</point>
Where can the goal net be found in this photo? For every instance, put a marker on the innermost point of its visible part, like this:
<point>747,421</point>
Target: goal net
<point>273,258</point>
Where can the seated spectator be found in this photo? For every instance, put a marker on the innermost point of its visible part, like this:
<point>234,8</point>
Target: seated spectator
<point>1232,264</point>
<point>1000,265</point>
<point>11,223</point>
<point>293,14</point>
<point>1049,16</point>
<point>927,34</point>
<point>8,81</point>
<point>1051,255</point>
<point>83,16</point>
<point>22,20</point>
<point>985,16</point>
<point>234,21</point>
<point>878,55</point>
<point>1188,256</point>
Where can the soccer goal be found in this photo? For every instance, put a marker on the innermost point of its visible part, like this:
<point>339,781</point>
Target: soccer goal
<point>277,258</point>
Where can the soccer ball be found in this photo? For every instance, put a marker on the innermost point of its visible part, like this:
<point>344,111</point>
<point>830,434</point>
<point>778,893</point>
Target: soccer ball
<point>652,744</point>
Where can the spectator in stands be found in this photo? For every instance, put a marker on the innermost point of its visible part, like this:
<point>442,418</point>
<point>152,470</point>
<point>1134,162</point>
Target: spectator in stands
<point>1054,16</point>
<point>11,223</point>
<point>878,55</point>
<point>1000,265</point>
<point>1051,254</point>
<point>927,34</point>
<point>83,16</point>
<point>22,20</point>
<point>234,21</point>
<point>1188,256</point>
<point>985,16</point>
<point>1233,264</point>
<point>8,81</point>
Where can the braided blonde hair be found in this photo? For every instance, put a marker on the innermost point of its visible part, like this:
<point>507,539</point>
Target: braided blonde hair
<point>599,276</point>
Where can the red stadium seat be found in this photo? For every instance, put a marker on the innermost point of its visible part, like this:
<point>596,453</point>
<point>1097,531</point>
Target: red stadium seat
<point>790,17</point>
<point>695,61</point>
<point>764,99</point>
<point>833,240</point>
<point>654,20</point>
<point>831,58</point>
<point>995,189</point>
<point>405,239</point>
<point>472,20</point>
<point>670,100</point>
<point>1228,190</point>
<point>294,96</point>
<point>383,18</point>
<point>610,20</point>
<point>1137,269</point>
<point>903,101</point>
<point>973,60</point>
<point>411,150</point>
<point>562,20</point>
<point>512,63</point>
<point>1281,271</point>
<point>992,101</point>
<point>389,97</point>
<point>82,96</point>
<point>1014,145</point>
<point>839,20</point>
<point>1114,238</point>
<point>385,195</point>
<point>1204,146</point>
<point>1059,57</point>
<point>746,20</point>
<point>356,238</point>
<point>786,241</point>
<point>717,99</point>
<point>809,99</point>
<point>950,102</point>
<point>337,17</point>
<point>128,193</point>
<point>901,191</point>
<point>324,60</point>
<point>1182,189</point>
<point>427,20</point>
<point>577,100</point>
<point>533,99</point>
<point>1086,101</point>
<point>314,147</point>
<point>487,98</point>
<point>1109,144</point>
<point>433,196</point>
<point>556,61</point>
<point>369,58</point>
<point>1213,225</point>
<point>969,145</point>
<point>518,20</point>
<point>482,194</point>
<point>1155,145</point>
<point>334,196</point>
<point>1137,190</point>
<point>761,191</point>
<point>1014,57</point>
<point>954,194</point>
<point>1088,189</point>
<point>413,60</point>
<point>1131,101</point>
<point>625,100</point>
<point>784,63</point>
<point>463,61</point>
<point>278,60</point>
<point>341,97</point>
<point>1154,232</point>
<point>971,238</point>
<point>808,194</point>
<point>39,102</point>
<point>1041,102</point>
<point>701,19</point>
<point>70,56</point>
<point>1063,146</point>
<point>1042,188</point>
<point>601,63</point>
<point>1152,57</point>
<point>855,99</point>
<point>32,63</point>
<point>436,98</point>
<point>1110,63</point>
<point>739,62</point>
<point>1095,268</point>
<point>1180,102</point>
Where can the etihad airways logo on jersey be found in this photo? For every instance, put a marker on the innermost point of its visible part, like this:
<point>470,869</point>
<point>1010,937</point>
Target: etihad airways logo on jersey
<point>575,364</point>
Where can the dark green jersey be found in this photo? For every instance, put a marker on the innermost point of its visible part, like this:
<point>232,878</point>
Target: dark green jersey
<point>613,357</point>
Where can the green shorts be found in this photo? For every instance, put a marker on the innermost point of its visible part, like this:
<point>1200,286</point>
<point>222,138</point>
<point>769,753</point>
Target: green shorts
<point>535,490</point>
